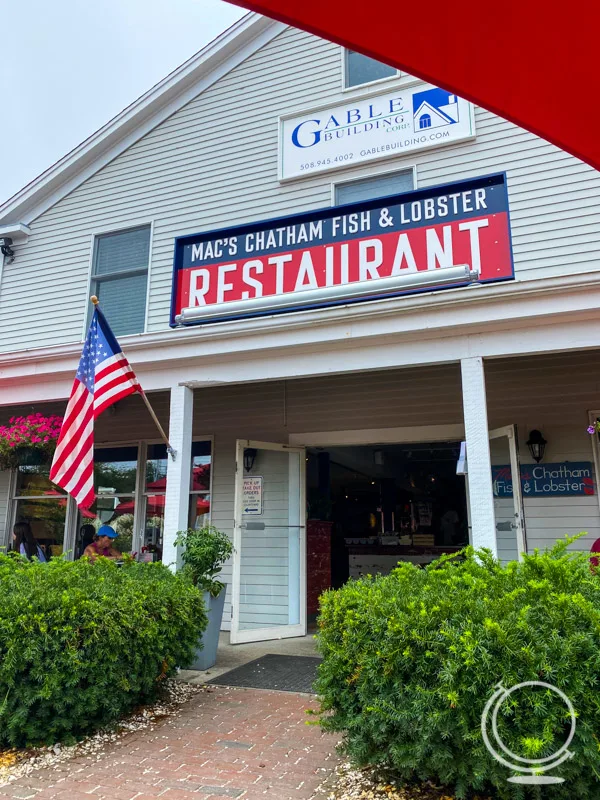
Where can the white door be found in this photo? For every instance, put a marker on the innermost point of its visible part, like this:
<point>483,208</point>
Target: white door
<point>508,497</point>
<point>269,560</point>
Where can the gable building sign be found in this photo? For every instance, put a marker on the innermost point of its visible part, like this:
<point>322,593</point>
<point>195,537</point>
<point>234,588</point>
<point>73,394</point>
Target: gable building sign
<point>391,124</point>
<point>433,238</point>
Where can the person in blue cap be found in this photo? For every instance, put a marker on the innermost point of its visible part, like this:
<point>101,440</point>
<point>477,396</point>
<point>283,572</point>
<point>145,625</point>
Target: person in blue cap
<point>103,545</point>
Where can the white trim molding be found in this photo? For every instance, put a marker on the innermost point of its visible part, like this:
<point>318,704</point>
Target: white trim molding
<point>481,494</point>
<point>421,433</point>
<point>17,231</point>
<point>520,318</point>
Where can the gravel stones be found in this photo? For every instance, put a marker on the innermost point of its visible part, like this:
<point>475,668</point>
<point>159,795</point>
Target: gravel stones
<point>355,784</point>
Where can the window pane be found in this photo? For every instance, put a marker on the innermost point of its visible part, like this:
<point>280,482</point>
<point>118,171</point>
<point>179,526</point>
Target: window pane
<point>114,511</point>
<point>123,301</point>
<point>47,520</point>
<point>153,528</point>
<point>201,460</point>
<point>35,481</point>
<point>199,510</point>
<point>156,468</point>
<point>115,470</point>
<point>370,188</point>
<point>362,69</point>
<point>126,250</point>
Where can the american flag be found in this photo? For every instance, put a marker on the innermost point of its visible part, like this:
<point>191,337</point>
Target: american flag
<point>103,377</point>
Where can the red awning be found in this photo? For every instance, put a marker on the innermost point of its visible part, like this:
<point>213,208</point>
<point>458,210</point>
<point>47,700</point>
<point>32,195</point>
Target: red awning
<point>525,60</point>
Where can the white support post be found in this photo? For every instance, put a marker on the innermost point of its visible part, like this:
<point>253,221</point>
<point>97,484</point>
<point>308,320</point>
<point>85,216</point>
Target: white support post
<point>481,493</point>
<point>177,497</point>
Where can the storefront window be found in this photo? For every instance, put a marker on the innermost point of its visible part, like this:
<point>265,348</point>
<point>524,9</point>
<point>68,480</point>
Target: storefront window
<point>200,484</point>
<point>115,479</point>
<point>43,505</point>
<point>115,475</point>
<point>155,488</point>
<point>118,512</point>
<point>115,470</point>
<point>199,510</point>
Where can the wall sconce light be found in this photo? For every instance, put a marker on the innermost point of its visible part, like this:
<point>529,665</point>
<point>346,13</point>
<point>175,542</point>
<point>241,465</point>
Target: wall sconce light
<point>537,445</point>
<point>378,458</point>
<point>6,248</point>
<point>249,458</point>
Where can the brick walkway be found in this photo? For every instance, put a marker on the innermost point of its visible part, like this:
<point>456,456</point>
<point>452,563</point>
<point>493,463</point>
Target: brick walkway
<point>229,743</point>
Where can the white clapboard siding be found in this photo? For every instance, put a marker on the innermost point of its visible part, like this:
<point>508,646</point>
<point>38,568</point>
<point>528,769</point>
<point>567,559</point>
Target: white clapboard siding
<point>214,164</point>
<point>553,394</point>
<point>4,505</point>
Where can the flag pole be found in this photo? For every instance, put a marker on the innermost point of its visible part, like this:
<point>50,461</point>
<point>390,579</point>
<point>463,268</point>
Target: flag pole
<point>163,435</point>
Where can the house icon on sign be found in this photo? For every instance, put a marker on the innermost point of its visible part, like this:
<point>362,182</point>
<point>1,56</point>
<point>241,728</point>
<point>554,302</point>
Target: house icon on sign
<point>434,108</point>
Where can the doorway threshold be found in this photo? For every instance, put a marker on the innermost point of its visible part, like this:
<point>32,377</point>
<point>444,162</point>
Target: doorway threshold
<point>231,656</point>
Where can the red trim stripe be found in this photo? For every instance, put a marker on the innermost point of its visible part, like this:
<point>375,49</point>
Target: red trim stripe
<point>73,459</point>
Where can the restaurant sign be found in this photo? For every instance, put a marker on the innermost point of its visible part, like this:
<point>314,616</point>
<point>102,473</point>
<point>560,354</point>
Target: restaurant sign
<point>394,123</point>
<point>568,479</point>
<point>434,238</point>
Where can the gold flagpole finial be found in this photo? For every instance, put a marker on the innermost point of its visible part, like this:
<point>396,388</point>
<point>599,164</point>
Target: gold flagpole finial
<point>94,300</point>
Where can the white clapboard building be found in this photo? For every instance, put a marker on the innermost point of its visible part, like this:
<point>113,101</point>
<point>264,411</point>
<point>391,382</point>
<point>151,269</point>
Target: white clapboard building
<point>355,301</point>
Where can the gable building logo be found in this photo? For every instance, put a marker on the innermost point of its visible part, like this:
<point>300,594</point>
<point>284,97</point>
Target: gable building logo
<point>434,108</point>
<point>391,123</point>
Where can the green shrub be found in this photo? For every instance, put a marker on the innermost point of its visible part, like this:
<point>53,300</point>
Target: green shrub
<point>411,659</point>
<point>83,643</point>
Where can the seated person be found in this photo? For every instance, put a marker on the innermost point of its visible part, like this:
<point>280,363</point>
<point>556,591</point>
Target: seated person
<point>87,535</point>
<point>25,543</point>
<point>103,545</point>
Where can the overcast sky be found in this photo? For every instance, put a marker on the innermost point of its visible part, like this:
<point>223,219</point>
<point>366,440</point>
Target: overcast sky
<point>67,67</point>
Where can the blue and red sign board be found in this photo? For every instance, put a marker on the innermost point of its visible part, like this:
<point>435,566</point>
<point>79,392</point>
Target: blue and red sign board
<point>567,479</point>
<point>464,223</point>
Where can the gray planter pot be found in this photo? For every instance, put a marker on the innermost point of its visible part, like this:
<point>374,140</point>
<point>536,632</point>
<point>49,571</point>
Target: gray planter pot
<point>206,657</point>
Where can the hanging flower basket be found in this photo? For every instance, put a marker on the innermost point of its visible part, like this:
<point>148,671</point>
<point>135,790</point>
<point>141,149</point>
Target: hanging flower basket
<point>28,441</point>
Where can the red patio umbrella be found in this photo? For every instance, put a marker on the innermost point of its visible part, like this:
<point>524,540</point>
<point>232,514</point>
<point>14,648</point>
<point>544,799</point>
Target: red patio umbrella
<point>526,60</point>
<point>200,479</point>
<point>63,503</point>
<point>155,505</point>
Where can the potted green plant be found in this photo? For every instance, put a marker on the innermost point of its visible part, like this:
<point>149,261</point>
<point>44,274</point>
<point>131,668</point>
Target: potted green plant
<point>204,551</point>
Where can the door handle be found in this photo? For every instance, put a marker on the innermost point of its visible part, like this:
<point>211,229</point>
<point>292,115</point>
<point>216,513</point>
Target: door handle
<point>254,526</point>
